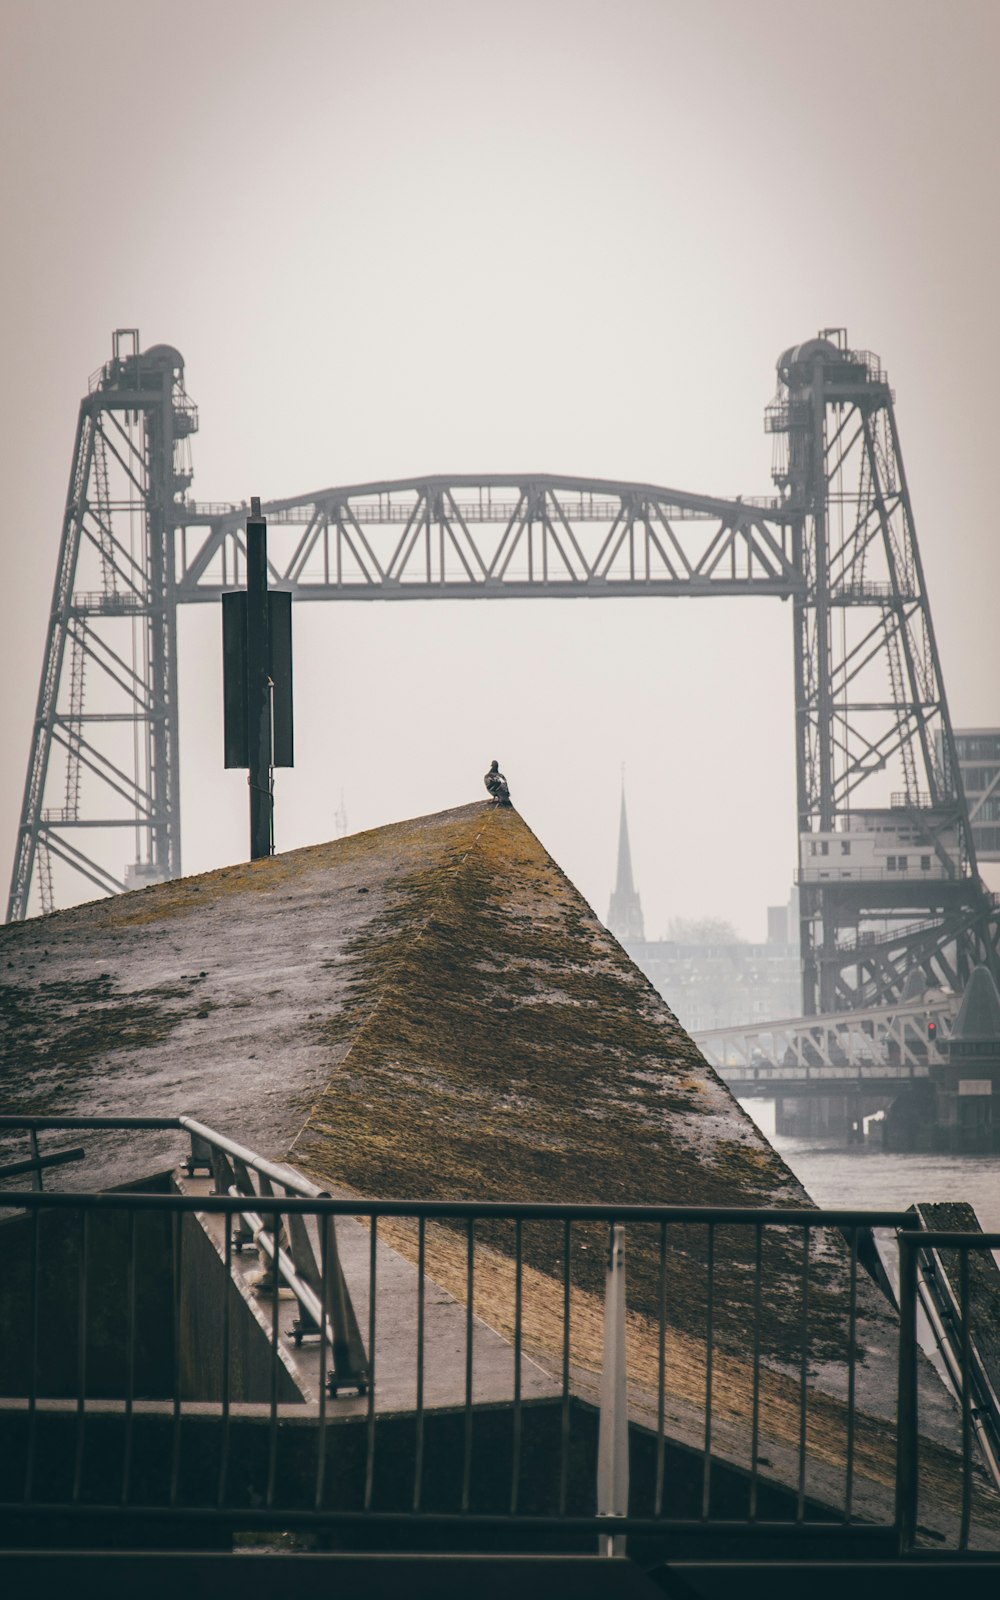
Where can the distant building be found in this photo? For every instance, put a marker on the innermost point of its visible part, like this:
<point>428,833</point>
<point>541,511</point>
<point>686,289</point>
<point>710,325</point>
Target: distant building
<point>886,845</point>
<point>726,984</point>
<point>711,982</point>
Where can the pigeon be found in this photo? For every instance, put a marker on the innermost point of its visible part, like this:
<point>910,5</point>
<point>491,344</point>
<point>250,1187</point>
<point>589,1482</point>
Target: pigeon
<point>496,783</point>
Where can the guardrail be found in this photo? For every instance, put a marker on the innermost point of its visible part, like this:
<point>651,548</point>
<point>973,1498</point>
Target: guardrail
<point>546,1267</point>
<point>919,1267</point>
<point>833,873</point>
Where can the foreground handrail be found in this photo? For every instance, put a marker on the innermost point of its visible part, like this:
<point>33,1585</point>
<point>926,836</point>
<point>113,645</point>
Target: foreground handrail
<point>502,1210</point>
<point>285,1193</point>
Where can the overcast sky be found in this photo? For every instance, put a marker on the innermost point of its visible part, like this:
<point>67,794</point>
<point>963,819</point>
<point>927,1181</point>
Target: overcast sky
<point>564,236</point>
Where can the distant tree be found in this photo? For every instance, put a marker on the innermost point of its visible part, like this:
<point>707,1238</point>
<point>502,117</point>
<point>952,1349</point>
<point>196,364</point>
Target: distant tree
<point>703,930</point>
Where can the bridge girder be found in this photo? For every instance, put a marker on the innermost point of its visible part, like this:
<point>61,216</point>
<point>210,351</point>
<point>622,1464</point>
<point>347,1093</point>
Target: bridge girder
<point>494,537</point>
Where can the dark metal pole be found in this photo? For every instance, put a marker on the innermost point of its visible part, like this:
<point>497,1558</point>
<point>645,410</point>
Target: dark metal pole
<point>258,687</point>
<point>907,1438</point>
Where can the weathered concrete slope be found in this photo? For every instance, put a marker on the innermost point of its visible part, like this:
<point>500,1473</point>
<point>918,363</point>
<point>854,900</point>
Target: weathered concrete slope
<point>500,1043</point>
<point>208,994</point>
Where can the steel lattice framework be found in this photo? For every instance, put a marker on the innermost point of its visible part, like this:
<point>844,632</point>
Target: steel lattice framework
<point>496,537</point>
<point>875,752</point>
<point>113,628</point>
<point>876,759</point>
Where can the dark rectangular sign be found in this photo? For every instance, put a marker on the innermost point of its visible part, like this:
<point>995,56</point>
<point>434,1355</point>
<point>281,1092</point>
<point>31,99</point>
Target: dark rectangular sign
<point>279,617</point>
<point>234,677</point>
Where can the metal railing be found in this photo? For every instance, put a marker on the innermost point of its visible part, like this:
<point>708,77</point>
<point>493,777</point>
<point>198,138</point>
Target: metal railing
<point>866,939</point>
<point>923,1282</point>
<point>833,872</point>
<point>730,1312</point>
<point>851,593</point>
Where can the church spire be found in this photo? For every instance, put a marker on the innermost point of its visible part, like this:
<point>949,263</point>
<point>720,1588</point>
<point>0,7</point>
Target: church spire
<point>625,910</point>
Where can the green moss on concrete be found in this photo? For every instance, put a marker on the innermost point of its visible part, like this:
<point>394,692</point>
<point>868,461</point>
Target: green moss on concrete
<point>53,1028</point>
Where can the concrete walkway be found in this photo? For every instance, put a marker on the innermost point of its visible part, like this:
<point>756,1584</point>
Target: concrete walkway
<point>395,1385</point>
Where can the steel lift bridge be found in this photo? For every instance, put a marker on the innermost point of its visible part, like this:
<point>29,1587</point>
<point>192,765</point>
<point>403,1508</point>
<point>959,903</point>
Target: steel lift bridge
<point>887,868</point>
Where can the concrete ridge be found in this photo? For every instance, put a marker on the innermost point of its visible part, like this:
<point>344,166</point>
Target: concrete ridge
<point>488,807</point>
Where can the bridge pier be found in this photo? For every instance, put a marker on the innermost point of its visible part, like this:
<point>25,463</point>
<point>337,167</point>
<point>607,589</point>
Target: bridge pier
<point>826,1116</point>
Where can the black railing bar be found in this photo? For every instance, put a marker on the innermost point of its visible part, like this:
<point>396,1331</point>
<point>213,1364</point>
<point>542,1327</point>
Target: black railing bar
<point>661,1378</point>
<point>272,1431</point>
<point>800,1508</point>
<point>852,1356</point>
<point>39,1163</point>
<point>963,1311</point>
<point>130,1365</point>
<point>324,1262</point>
<point>755,1402</point>
<point>29,1465</point>
<point>505,1211</point>
<point>287,1516</point>
<point>178,1291</point>
<point>951,1241</point>
<point>81,1352</point>
<point>706,1482</point>
<point>40,1123</point>
<point>36,1159</point>
<point>470,1267</point>
<point>907,1429</point>
<point>888,1567</point>
<point>515,1466</point>
<point>418,1452</point>
<point>370,1416</point>
<point>226,1385</point>
<point>564,1412</point>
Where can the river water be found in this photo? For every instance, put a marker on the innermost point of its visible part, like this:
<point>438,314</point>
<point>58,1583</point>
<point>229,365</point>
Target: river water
<point>851,1175</point>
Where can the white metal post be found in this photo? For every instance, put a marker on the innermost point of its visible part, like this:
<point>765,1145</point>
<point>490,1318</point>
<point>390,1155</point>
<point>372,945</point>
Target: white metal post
<point>612,1438</point>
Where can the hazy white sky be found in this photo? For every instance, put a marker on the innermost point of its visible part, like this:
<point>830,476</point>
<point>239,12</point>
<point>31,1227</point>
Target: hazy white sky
<point>409,236</point>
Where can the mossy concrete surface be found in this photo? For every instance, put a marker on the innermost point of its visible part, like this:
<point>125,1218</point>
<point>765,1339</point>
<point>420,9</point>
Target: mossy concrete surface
<point>205,995</point>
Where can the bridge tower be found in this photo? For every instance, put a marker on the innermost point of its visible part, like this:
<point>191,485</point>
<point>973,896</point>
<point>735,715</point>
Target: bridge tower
<point>112,640</point>
<point>887,866</point>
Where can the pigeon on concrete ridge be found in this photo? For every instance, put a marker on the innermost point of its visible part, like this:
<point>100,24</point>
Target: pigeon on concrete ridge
<point>496,783</point>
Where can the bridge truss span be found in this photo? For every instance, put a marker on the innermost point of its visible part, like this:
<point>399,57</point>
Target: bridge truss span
<point>882,1046</point>
<point>493,537</point>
